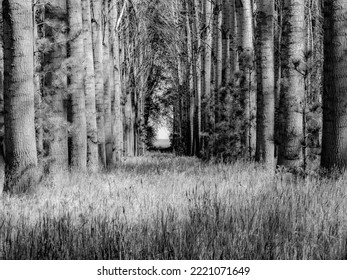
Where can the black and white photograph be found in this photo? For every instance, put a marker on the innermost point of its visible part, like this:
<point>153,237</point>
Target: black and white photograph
<point>173,130</point>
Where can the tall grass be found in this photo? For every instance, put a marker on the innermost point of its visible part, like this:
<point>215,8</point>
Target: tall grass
<point>163,207</point>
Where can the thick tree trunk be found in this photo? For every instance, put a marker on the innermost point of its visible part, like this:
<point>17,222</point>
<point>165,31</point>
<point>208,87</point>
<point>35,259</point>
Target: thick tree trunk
<point>334,142</point>
<point>89,83</point>
<point>21,155</point>
<point>293,89</point>
<point>56,83</point>
<point>99,83</point>
<point>76,87</point>
<point>266,84</point>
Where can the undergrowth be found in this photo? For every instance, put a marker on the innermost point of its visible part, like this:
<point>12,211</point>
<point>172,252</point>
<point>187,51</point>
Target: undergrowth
<point>161,207</point>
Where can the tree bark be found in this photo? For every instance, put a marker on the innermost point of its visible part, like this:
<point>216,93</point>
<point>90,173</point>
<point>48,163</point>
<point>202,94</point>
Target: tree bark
<point>334,140</point>
<point>117,107</point>
<point>21,155</point>
<point>107,83</point>
<point>293,89</point>
<point>90,92</point>
<point>56,84</point>
<point>99,83</point>
<point>76,87</point>
<point>265,148</point>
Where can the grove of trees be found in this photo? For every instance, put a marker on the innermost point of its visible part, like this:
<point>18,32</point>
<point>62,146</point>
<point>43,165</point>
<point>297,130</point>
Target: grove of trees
<point>85,83</point>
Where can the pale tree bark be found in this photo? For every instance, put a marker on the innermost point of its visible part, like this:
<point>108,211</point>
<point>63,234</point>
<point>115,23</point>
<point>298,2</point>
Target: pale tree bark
<point>226,37</point>
<point>265,148</point>
<point>233,43</point>
<point>99,81</point>
<point>334,139</point>
<point>21,155</point>
<point>218,11</point>
<point>56,83</point>
<point>107,83</point>
<point>76,87</point>
<point>90,92</point>
<point>208,15</point>
<point>117,107</point>
<point>293,88</point>
<point>246,60</point>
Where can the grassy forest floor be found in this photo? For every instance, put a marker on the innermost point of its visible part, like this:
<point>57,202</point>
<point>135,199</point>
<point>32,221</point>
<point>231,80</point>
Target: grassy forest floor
<point>166,207</point>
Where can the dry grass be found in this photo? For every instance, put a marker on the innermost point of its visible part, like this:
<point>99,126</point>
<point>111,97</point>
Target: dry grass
<point>162,207</point>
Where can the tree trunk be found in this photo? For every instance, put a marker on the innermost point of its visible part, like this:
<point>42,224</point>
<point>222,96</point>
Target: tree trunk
<point>246,61</point>
<point>56,84</point>
<point>334,140</point>
<point>99,83</point>
<point>208,13</point>
<point>89,83</point>
<point>21,155</point>
<point>293,89</point>
<point>117,107</point>
<point>2,125</point>
<point>226,37</point>
<point>266,84</point>
<point>38,67</point>
<point>107,84</point>
<point>76,87</point>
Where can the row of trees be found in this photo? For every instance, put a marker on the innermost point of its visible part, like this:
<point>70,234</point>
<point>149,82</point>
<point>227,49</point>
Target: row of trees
<point>79,80</point>
<point>250,81</point>
<point>83,82</point>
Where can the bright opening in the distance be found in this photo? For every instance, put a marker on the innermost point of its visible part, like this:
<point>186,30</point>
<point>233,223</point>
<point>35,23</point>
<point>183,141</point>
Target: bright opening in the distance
<point>163,138</point>
<point>163,134</point>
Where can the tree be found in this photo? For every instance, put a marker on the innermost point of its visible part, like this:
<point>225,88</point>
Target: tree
<point>117,109</point>
<point>107,65</point>
<point>76,86</point>
<point>89,83</point>
<point>293,88</point>
<point>99,83</point>
<point>55,82</point>
<point>334,140</point>
<point>246,61</point>
<point>265,148</point>
<point>19,103</point>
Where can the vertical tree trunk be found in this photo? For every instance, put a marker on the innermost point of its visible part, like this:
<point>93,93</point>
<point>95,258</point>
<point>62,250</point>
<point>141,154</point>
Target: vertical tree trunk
<point>194,22</point>
<point>247,86</point>
<point>89,83</point>
<point>99,83</point>
<point>107,84</point>
<point>2,124</point>
<point>293,90</point>
<point>38,67</point>
<point>117,107</point>
<point>76,87</point>
<point>334,141</point>
<point>218,62</point>
<point>208,13</point>
<point>226,37</point>
<point>266,83</point>
<point>18,43</point>
<point>56,83</point>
